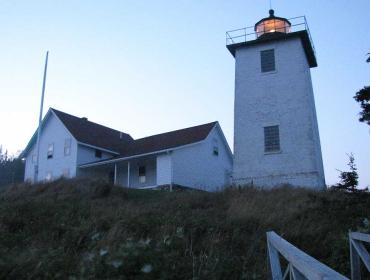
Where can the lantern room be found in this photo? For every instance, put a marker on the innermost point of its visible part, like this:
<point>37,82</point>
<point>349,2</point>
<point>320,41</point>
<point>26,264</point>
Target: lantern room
<point>272,24</point>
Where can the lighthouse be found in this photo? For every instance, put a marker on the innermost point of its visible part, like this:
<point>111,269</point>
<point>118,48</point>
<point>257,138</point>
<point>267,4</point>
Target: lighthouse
<point>276,135</point>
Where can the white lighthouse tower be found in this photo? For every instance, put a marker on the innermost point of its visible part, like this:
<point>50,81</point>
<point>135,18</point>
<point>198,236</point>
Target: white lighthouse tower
<point>276,136</point>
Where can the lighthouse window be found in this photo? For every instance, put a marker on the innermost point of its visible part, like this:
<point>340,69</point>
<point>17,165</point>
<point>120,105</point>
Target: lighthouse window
<point>267,60</point>
<point>272,138</point>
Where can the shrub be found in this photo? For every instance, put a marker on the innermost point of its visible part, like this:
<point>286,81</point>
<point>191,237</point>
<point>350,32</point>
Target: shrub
<point>80,229</point>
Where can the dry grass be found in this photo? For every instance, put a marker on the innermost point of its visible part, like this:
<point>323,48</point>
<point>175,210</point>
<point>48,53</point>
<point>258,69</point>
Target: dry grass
<point>82,229</point>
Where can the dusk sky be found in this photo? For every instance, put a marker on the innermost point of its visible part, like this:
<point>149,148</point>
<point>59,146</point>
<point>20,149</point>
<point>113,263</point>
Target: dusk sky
<point>146,67</point>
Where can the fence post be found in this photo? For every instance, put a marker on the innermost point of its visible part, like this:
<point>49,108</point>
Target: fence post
<point>301,265</point>
<point>355,261</point>
<point>274,262</point>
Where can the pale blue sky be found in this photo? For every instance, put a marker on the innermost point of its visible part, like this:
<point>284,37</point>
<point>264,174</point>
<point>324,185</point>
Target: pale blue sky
<point>146,67</point>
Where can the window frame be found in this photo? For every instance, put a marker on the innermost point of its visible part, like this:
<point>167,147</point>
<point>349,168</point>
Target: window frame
<point>98,153</point>
<point>263,63</point>
<point>50,151</point>
<point>215,148</point>
<point>142,174</point>
<point>67,146</point>
<point>272,139</point>
<point>49,176</point>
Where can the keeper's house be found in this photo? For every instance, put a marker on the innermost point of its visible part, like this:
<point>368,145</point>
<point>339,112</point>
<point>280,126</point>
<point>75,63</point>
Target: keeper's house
<point>196,157</point>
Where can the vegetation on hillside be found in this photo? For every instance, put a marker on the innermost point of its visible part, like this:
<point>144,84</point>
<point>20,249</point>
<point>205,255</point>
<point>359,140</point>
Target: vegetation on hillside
<point>11,169</point>
<point>81,229</point>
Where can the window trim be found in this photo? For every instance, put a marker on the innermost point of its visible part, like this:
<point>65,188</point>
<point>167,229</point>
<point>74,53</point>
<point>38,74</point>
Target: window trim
<point>274,60</point>
<point>275,151</point>
<point>47,178</point>
<point>98,153</point>
<point>142,174</point>
<point>50,152</point>
<point>67,146</point>
<point>215,147</point>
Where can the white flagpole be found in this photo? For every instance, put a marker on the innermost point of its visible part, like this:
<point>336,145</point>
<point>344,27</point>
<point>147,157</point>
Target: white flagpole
<point>40,120</point>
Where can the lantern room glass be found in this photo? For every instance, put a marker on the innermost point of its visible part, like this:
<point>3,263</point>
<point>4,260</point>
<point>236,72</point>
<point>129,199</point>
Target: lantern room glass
<point>272,25</point>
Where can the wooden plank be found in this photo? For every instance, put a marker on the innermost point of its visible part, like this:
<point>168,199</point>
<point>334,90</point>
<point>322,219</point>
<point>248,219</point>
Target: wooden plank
<point>287,272</point>
<point>273,257</point>
<point>355,262</point>
<point>296,275</point>
<point>305,264</point>
<point>362,253</point>
<point>360,236</point>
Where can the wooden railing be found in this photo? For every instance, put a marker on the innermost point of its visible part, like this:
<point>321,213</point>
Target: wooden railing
<point>300,265</point>
<point>358,252</point>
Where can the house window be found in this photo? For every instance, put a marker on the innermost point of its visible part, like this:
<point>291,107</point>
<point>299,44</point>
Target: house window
<point>65,173</point>
<point>49,176</point>
<point>34,158</point>
<point>272,139</point>
<point>215,147</point>
<point>142,174</point>
<point>267,61</point>
<point>67,146</point>
<point>50,151</point>
<point>98,153</point>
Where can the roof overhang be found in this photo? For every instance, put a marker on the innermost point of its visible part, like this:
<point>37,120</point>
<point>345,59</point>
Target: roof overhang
<point>33,139</point>
<point>119,159</point>
<point>98,148</point>
<point>277,36</point>
<point>228,149</point>
<point>43,123</point>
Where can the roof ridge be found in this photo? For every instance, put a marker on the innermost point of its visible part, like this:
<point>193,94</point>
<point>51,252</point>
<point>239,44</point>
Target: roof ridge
<point>177,130</point>
<point>87,120</point>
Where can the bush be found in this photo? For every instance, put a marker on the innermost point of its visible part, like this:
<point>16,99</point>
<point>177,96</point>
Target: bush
<point>79,229</point>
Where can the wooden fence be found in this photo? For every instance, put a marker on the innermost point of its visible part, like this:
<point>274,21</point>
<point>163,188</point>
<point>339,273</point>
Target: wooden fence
<point>302,266</point>
<point>358,252</point>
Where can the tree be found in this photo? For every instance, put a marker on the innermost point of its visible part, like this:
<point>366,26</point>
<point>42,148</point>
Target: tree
<point>363,97</point>
<point>11,169</point>
<point>348,179</point>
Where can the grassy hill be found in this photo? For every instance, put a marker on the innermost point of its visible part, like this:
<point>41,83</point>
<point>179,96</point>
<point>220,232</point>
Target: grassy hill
<point>87,230</point>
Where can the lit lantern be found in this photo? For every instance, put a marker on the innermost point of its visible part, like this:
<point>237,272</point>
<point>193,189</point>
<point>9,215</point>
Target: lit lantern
<point>272,24</point>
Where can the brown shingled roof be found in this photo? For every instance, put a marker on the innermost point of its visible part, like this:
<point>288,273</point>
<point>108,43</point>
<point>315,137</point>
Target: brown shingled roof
<point>123,144</point>
<point>168,140</point>
<point>104,137</point>
<point>94,134</point>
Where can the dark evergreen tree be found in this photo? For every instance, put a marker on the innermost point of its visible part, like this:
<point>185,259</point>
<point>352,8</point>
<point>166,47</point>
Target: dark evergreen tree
<point>348,179</point>
<point>11,169</point>
<point>363,97</point>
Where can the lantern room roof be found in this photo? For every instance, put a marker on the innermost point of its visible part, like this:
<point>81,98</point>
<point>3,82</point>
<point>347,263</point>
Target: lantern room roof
<point>249,36</point>
<point>272,16</point>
